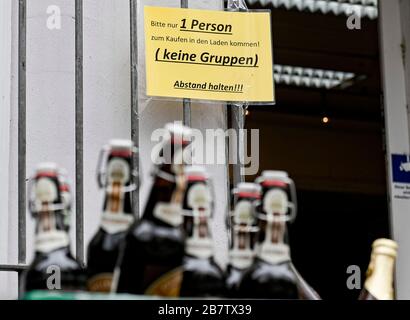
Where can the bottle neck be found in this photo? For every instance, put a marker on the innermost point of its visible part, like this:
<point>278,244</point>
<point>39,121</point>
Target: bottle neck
<point>242,239</point>
<point>51,232</point>
<point>117,211</point>
<point>242,252</point>
<point>379,282</point>
<point>272,230</point>
<point>199,241</point>
<point>244,234</point>
<point>116,201</point>
<point>272,245</point>
<point>167,193</point>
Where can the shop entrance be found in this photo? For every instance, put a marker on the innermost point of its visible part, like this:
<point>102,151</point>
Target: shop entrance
<point>327,131</point>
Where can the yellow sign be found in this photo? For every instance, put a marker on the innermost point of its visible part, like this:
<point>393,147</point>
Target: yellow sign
<point>209,55</point>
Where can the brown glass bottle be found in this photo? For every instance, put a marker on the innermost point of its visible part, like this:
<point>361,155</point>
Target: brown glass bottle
<point>53,266</point>
<point>201,276</point>
<point>154,247</point>
<point>115,176</point>
<point>272,274</point>
<point>380,274</point>
<point>243,235</point>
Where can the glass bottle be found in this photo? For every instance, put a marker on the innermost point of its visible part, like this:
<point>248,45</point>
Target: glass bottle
<point>243,235</point>
<point>154,246</point>
<point>201,277</point>
<point>115,176</point>
<point>273,275</point>
<point>53,266</point>
<point>380,274</point>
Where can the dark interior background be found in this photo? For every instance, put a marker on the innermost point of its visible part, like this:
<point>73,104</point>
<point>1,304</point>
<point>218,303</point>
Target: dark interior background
<point>339,167</point>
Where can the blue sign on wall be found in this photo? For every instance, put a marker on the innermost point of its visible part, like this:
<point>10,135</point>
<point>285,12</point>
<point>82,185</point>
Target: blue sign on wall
<point>401,168</point>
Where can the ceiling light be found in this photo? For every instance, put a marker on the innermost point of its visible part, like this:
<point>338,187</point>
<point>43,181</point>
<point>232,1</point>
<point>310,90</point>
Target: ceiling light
<point>309,77</point>
<point>362,8</point>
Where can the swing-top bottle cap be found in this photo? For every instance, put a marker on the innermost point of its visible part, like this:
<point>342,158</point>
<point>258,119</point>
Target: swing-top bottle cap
<point>196,173</point>
<point>248,190</point>
<point>279,194</point>
<point>180,134</point>
<point>121,148</point>
<point>47,167</point>
<point>242,213</point>
<point>274,174</point>
<point>43,190</point>
<point>385,247</point>
<point>273,178</point>
<point>121,144</point>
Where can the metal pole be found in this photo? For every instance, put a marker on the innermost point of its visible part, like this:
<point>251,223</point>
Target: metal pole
<point>12,268</point>
<point>22,36</point>
<point>22,104</point>
<point>79,157</point>
<point>238,124</point>
<point>186,102</point>
<point>134,98</point>
<point>228,180</point>
<point>20,271</point>
<point>238,115</point>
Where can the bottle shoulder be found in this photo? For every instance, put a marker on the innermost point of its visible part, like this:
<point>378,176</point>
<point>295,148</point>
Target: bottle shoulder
<point>276,281</point>
<point>202,278</point>
<point>233,278</point>
<point>269,281</point>
<point>61,258</point>
<point>267,270</point>
<point>148,230</point>
<point>45,267</point>
<point>107,241</point>
<point>232,270</point>
<point>205,267</point>
<point>147,243</point>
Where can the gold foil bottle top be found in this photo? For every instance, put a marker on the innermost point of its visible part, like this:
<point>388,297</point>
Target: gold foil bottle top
<point>385,247</point>
<point>380,275</point>
<point>385,243</point>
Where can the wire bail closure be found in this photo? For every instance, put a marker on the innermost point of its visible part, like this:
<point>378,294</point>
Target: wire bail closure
<point>36,206</point>
<point>291,205</point>
<point>253,191</point>
<point>102,170</point>
<point>209,182</point>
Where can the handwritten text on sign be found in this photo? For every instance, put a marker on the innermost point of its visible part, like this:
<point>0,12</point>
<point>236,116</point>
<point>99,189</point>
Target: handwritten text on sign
<point>209,55</point>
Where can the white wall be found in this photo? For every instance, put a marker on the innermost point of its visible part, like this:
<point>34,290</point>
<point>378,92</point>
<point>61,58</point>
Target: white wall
<point>50,107</point>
